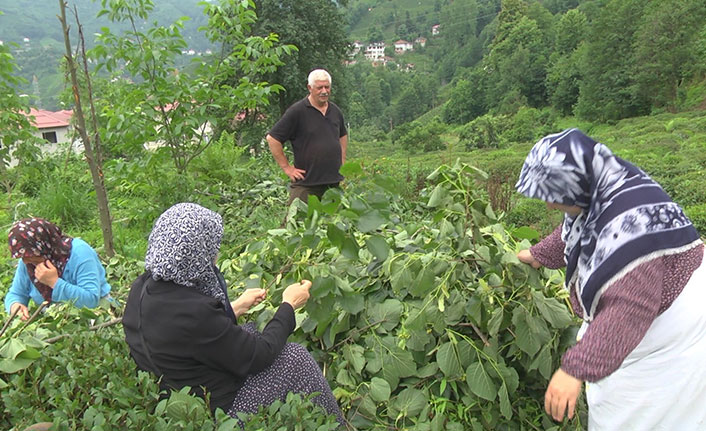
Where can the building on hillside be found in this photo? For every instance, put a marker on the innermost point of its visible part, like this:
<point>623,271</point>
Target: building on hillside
<point>435,29</point>
<point>53,127</point>
<point>383,61</point>
<point>409,67</point>
<point>355,49</point>
<point>421,41</point>
<point>375,51</point>
<point>402,46</point>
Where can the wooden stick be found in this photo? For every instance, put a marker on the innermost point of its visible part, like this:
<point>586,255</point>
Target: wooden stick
<point>37,311</point>
<point>111,322</point>
<point>12,316</point>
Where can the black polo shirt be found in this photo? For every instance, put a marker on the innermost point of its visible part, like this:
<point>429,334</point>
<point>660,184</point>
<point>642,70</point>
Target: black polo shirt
<point>315,140</point>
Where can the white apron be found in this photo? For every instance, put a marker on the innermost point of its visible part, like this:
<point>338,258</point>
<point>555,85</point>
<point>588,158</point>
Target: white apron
<point>661,385</point>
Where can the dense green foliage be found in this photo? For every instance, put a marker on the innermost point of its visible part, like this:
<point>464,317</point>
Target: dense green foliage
<point>421,316</point>
<point>413,301</point>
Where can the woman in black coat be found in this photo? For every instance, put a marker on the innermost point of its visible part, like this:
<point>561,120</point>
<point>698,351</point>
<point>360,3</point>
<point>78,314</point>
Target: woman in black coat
<point>181,326</point>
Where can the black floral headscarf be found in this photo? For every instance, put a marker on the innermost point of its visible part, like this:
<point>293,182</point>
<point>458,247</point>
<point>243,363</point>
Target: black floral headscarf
<point>33,237</point>
<point>183,247</point>
<point>627,218</point>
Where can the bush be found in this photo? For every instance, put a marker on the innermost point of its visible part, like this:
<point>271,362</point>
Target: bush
<point>64,200</point>
<point>530,125</point>
<point>483,132</point>
<point>422,137</point>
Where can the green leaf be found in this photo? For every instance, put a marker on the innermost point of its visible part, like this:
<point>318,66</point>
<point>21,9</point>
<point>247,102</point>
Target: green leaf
<point>510,377</point>
<point>410,402</point>
<point>351,169</point>
<point>379,389</point>
<point>423,283</point>
<point>353,353</point>
<point>480,382</point>
<point>30,353</point>
<point>378,247</point>
<point>370,221</point>
<point>526,340</point>
<point>505,407</point>
<point>388,312</point>
<point>394,362</point>
<point>12,348</point>
<point>322,286</point>
<point>10,366</point>
<point>496,320</point>
<point>335,235</point>
<point>552,310</point>
<point>350,248</point>
<point>543,362</point>
<point>448,361</point>
<point>525,232</point>
<point>437,195</point>
<point>474,308</point>
<point>352,303</point>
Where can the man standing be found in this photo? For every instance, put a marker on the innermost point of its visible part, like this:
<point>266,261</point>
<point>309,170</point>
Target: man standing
<point>319,138</point>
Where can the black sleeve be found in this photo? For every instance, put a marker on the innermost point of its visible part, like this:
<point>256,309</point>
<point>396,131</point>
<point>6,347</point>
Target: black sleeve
<point>343,131</point>
<point>285,129</point>
<point>222,345</point>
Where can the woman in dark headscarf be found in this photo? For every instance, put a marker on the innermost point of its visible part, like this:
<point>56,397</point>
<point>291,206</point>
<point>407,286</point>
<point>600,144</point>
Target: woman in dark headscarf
<point>634,270</point>
<point>180,325</point>
<point>53,267</point>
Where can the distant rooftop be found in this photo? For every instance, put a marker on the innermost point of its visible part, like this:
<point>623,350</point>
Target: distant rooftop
<point>47,119</point>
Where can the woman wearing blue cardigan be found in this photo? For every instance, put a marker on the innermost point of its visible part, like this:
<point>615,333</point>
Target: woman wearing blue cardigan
<point>53,267</point>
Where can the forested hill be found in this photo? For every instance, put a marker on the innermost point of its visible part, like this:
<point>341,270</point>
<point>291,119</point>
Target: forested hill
<point>34,28</point>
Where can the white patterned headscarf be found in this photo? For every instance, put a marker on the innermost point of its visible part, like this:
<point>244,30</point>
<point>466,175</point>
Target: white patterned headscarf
<point>627,218</point>
<point>183,247</point>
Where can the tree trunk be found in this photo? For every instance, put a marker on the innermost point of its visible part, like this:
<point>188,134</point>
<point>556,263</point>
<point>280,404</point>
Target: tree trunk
<point>94,162</point>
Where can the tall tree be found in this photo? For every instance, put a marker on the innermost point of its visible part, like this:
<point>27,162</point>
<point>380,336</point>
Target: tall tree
<point>608,91</point>
<point>564,72</point>
<point>317,28</point>
<point>664,46</point>
<point>170,106</point>
<point>87,128</point>
<point>517,61</point>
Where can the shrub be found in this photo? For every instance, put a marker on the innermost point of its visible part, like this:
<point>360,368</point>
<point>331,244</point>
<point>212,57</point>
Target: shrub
<point>529,125</point>
<point>422,137</point>
<point>483,132</point>
<point>64,200</point>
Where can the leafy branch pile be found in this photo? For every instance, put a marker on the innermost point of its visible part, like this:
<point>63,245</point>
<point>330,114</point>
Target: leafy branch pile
<point>421,316</point>
<point>420,312</point>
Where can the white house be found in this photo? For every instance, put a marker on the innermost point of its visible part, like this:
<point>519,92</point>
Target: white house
<point>55,129</point>
<point>402,46</point>
<point>421,41</point>
<point>356,47</point>
<point>375,51</point>
<point>435,29</point>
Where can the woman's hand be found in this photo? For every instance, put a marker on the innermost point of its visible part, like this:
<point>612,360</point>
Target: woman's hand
<point>20,309</point>
<point>526,257</point>
<point>297,294</point>
<point>562,392</point>
<point>247,300</point>
<point>46,273</point>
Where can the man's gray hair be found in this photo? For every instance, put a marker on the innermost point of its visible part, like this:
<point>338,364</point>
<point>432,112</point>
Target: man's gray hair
<point>318,75</point>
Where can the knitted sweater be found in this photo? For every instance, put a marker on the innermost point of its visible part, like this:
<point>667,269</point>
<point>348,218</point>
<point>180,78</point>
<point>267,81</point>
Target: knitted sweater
<point>625,310</point>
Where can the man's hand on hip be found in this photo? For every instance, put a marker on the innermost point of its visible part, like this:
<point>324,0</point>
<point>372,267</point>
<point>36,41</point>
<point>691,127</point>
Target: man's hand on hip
<point>293,173</point>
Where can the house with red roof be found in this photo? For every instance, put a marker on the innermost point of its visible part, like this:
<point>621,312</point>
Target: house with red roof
<point>54,127</point>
